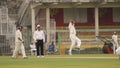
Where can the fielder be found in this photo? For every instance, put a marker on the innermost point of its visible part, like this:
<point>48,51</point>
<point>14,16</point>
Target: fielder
<point>19,43</point>
<point>115,41</point>
<point>74,39</point>
<point>118,52</point>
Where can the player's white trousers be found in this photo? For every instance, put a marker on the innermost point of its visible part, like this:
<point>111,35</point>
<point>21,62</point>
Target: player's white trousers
<point>118,51</point>
<point>115,44</point>
<point>74,39</point>
<point>19,47</point>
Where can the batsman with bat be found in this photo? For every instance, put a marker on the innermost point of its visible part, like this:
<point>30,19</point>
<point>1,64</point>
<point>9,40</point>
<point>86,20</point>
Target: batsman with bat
<point>19,43</point>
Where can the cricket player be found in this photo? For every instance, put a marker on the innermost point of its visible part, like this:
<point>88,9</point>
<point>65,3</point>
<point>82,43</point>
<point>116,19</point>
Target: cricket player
<point>19,43</point>
<point>118,52</point>
<point>115,41</point>
<point>73,37</point>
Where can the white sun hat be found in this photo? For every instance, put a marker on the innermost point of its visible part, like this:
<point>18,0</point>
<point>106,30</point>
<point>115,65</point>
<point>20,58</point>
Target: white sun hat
<point>38,25</point>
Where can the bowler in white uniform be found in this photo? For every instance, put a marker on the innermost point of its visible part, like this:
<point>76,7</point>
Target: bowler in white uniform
<point>74,39</point>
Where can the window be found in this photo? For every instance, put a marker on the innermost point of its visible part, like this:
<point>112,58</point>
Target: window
<point>116,14</point>
<point>77,14</point>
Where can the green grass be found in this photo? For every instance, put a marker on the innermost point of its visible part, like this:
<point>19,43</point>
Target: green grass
<point>65,61</point>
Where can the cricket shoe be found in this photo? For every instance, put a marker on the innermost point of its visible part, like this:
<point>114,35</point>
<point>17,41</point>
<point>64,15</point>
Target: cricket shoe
<point>38,56</point>
<point>69,52</point>
<point>78,49</point>
<point>25,57</point>
<point>13,57</point>
<point>42,56</point>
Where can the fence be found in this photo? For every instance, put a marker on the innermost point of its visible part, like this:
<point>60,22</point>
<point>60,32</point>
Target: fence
<point>7,29</point>
<point>92,46</point>
<point>88,46</point>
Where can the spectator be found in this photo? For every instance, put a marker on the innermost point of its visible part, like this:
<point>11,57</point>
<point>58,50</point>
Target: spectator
<point>51,48</point>
<point>33,49</point>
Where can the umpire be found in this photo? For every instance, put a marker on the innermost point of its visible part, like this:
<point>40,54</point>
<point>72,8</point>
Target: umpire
<point>39,38</point>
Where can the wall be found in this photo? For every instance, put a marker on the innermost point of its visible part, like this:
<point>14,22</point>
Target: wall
<point>105,17</point>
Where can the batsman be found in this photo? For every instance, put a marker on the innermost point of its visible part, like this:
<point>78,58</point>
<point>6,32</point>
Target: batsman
<point>19,43</point>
